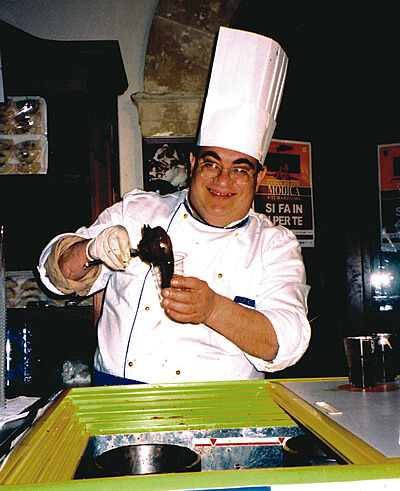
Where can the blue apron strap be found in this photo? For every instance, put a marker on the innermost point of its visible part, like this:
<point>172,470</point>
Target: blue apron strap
<point>101,378</point>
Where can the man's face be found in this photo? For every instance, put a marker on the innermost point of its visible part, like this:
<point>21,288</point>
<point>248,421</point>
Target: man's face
<point>219,201</point>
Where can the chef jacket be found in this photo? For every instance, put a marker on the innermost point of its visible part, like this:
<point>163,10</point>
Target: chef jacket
<point>252,262</point>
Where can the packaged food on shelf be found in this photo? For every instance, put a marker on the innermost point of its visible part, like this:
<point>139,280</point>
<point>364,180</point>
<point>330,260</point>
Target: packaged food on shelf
<point>23,136</point>
<point>23,290</point>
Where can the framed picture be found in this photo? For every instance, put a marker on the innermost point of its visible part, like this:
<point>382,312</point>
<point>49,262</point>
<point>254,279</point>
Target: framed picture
<point>166,165</point>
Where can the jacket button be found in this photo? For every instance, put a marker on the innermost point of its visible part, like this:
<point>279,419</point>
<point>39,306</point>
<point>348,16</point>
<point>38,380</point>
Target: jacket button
<point>185,215</point>
<point>178,372</point>
<point>220,275</point>
<point>147,308</point>
<point>130,364</point>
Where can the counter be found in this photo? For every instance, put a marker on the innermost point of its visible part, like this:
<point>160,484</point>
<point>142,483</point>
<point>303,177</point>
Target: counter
<point>272,410</point>
<point>361,425</point>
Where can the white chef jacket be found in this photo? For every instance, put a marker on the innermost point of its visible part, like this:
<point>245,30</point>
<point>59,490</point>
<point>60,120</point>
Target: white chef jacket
<point>254,263</point>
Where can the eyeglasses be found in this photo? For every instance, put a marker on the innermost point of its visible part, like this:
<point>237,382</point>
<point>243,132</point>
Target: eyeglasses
<point>238,175</point>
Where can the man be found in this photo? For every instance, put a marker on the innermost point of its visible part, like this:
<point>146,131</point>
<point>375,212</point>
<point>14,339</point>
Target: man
<point>240,308</point>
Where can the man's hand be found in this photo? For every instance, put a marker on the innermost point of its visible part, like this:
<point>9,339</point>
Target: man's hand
<point>112,246</point>
<point>188,300</point>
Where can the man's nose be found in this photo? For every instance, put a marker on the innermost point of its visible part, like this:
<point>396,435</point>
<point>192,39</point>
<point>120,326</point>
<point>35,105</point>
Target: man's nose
<point>224,179</point>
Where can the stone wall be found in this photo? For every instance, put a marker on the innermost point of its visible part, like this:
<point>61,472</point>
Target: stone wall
<point>178,59</point>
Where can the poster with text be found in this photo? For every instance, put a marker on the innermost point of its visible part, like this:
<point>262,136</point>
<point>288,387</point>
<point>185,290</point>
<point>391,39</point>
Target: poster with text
<point>389,184</point>
<point>285,195</point>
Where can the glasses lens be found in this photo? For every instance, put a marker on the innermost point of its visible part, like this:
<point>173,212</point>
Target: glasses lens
<point>210,171</point>
<point>239,175</point>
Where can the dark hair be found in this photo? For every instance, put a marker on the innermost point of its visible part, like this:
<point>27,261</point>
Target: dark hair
<point>195,151</point>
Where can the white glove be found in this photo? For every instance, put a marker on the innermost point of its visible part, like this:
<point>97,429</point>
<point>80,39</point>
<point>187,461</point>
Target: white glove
<point>112,247</point>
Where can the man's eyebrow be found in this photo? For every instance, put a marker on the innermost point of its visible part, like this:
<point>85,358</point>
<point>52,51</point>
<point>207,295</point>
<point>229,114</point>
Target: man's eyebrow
<point>244,161</point>
<point>209,153</point>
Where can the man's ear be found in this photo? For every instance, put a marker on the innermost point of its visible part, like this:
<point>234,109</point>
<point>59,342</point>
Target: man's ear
<point>192,159</point>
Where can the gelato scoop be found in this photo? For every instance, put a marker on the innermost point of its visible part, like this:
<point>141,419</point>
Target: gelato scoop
<point>155,248</point>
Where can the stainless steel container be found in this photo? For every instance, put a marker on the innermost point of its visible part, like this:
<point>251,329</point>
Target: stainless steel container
<point>146,459</point>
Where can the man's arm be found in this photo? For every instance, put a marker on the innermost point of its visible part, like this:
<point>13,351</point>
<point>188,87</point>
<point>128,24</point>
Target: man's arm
<point>190,300</point>
<point>63,262</point>
<point>72,261</point>
<point>63,280</point>
<point>111,246</point>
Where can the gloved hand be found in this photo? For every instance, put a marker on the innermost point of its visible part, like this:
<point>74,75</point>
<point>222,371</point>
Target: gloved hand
<point>112,246</point>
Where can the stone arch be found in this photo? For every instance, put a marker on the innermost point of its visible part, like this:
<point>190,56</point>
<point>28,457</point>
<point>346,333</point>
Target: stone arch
<point>177,64</point>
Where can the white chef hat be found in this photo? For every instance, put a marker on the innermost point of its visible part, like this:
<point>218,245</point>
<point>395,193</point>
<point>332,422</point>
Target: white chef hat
<point>244,93</point>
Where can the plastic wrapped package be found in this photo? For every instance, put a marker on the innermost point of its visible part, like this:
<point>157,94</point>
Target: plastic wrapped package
<point>23,136</point>
<point>22,290</point>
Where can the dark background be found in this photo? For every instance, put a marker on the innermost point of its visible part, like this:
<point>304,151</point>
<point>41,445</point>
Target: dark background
<point>342,95</point>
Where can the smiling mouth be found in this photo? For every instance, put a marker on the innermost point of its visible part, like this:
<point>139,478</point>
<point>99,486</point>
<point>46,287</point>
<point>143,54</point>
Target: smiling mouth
<point>216,193</point>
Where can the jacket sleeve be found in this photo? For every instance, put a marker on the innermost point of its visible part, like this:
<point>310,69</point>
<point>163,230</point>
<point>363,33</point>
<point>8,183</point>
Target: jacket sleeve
<point>283,299</point>
<point>53,272</point>
<point>96,278</point>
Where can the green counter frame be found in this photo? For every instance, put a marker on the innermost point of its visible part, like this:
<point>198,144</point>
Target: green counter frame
<point>49,454</point>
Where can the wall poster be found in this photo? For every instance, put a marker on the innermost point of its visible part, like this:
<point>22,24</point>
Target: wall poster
<point>166,163</point>
<point>389,186</point>
<point>285,195</point>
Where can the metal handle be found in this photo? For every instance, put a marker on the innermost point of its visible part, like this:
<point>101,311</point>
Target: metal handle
<point>96,262</point>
